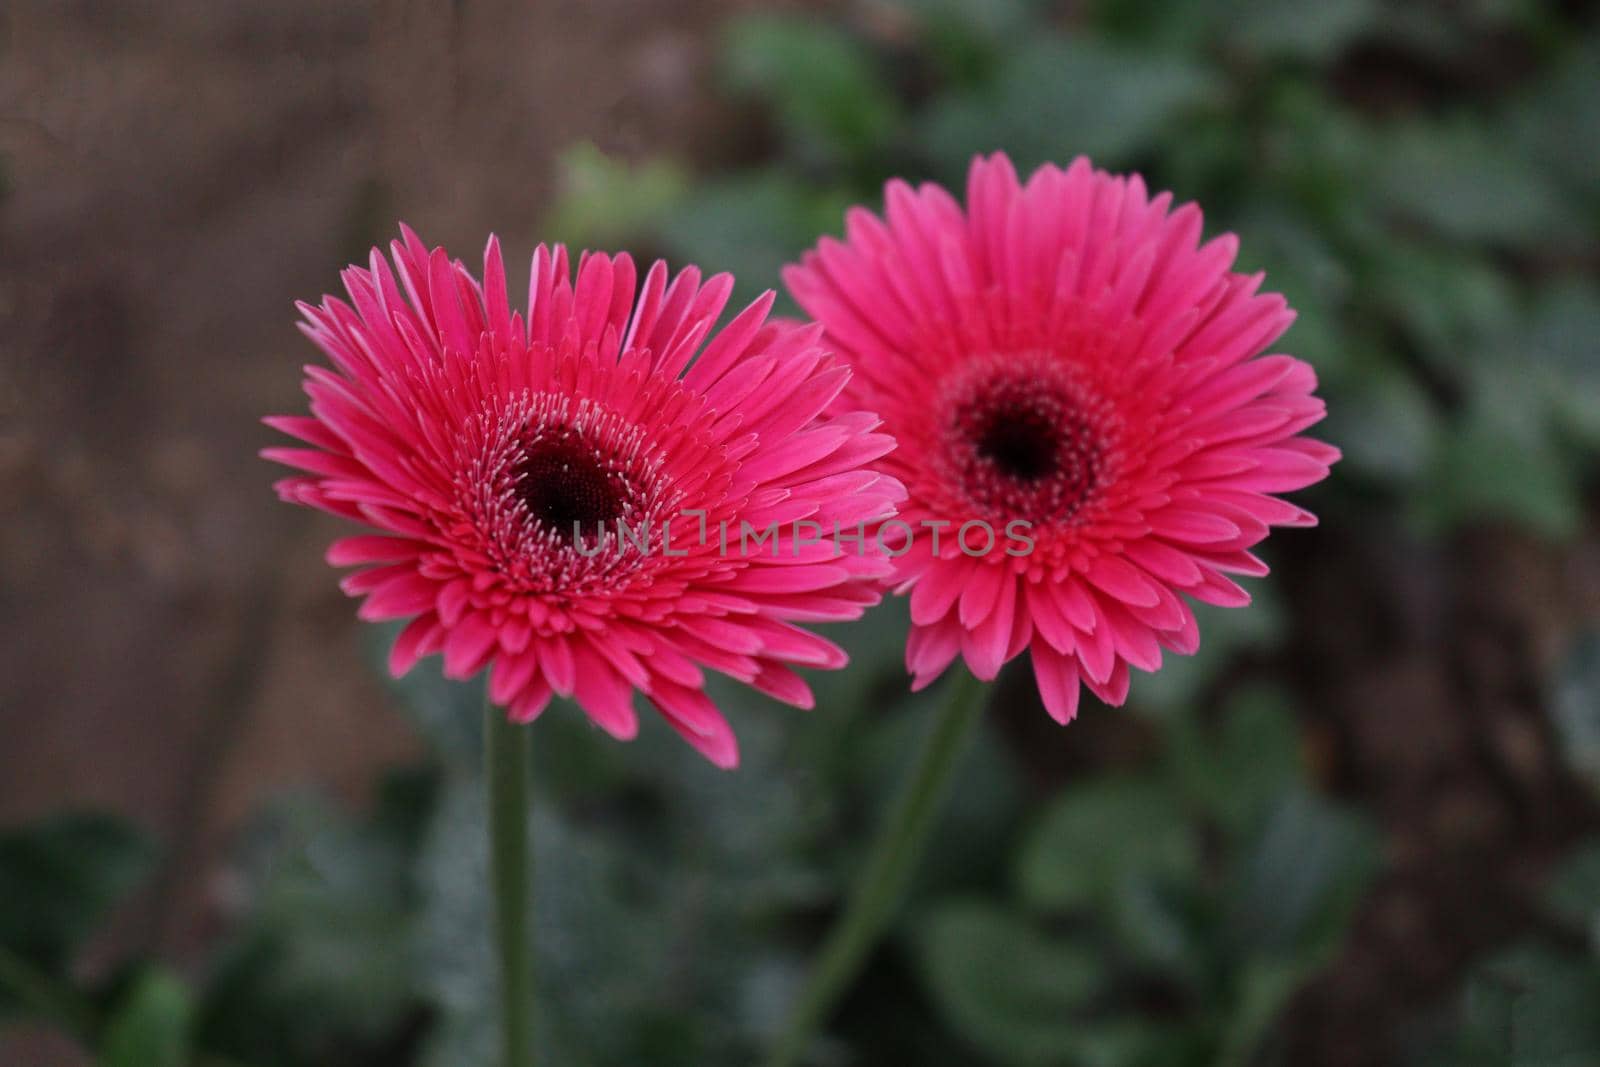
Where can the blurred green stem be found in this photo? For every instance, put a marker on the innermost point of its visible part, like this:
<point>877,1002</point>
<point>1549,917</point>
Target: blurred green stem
<point>505,747</point>
<point>893,860</point>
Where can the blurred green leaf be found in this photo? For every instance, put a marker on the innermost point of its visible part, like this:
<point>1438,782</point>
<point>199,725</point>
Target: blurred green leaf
<point>1300,154</point>
<point>1012,989</point>
<point>823,83</point>
<point>1561,340</point>
<point>1292,897</point>
<point>1530,1008</point>
<point>1450,305</point>
<point>1174,28</point>
<point>1310,273</point>
<point>1556,123</point>
<point>1576,707</point>
<point>1573,895</point>
<point>977,829</point>
<point>1482,471</point>
<point>1255,29</point>
<point>1161,926</point>
<point>1296,890</point>
<point>1102,837</point>
<point>1469,186</point>
<point>1139,1040</point>
<point>1386,426</point>
<point>1057,98</point>
<point>1488,1008</point>
<point>753,225</point>
<point>1263,989</point>
<point>1556,1024</point>
<point>602,202</point>
<point>150,1025</point>
<point>325,959</point>
<point>1246,764</point>
<point>59,877</point>
<point>1288,29</point>
<point>1207,163</point>
<point>1455,34</point>
<point>966,38</point>
<point>994,18</point>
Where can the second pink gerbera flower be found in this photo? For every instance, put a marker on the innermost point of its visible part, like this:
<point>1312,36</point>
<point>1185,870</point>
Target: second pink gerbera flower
<point>494,455</point>
<point>1066,354</point>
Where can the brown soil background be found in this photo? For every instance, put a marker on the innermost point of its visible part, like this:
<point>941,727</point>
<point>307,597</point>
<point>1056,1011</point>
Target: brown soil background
<point>180,173</point>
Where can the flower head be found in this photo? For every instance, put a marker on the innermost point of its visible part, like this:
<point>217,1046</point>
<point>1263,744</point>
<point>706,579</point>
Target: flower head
<point>551,491</point>
<point>1066,358</point>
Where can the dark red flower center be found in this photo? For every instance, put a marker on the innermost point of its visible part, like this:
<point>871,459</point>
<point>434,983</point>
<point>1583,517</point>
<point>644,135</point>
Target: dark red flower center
<point>562,494</point>
<point>1019,442</point>
<point>566,489</point>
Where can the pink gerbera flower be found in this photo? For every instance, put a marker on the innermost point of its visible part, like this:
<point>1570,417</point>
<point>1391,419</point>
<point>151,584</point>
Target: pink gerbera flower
<point>1067,355</point>
<point>495,455</point>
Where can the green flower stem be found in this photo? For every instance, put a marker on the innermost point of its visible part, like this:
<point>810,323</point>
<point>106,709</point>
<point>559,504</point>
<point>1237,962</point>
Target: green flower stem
<point>505,747</point>
<point>893,860</point>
